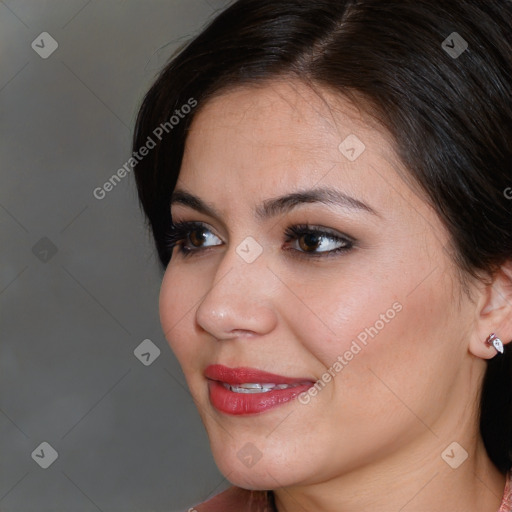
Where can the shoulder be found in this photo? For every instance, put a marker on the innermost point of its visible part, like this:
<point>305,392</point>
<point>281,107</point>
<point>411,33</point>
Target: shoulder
<point>234,499</point>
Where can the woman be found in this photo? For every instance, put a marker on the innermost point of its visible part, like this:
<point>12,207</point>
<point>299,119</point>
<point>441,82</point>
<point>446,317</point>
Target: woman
<point>330,197</point>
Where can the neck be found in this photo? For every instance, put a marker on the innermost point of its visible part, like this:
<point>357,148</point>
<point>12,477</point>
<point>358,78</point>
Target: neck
<point>427,484</point>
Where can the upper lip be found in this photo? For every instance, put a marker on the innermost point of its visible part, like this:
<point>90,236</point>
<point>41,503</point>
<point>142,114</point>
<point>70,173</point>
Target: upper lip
<point>245,375</point>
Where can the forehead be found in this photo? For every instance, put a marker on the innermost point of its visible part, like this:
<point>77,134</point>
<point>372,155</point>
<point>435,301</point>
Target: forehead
<point>255,142</point>
<point>291,113</point>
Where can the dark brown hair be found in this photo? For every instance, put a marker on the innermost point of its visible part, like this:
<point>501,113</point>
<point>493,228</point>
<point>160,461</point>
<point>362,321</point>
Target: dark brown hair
<point>448,108</point>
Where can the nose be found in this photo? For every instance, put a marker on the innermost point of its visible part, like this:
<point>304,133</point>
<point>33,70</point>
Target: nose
<point>239,300</point>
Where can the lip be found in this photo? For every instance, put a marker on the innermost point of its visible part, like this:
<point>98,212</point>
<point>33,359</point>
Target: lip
<point>244,375</point>
<point>230,402</point>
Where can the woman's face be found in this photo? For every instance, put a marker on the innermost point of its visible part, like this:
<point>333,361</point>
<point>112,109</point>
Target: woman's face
<point>378,323</point>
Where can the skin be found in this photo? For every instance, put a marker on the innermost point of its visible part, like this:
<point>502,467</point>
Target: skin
<point>372,439</point>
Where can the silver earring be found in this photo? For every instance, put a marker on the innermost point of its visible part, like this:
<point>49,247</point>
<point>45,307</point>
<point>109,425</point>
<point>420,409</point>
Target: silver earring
<point>495,342</point>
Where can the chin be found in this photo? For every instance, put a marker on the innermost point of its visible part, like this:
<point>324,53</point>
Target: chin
<point>252,481</point>
<point>267,473</point>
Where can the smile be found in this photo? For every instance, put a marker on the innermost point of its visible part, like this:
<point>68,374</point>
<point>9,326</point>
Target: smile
<point>259,388</point>
<point>242,390</point>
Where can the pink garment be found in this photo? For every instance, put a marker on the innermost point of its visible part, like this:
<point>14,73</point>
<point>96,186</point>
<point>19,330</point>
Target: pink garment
<point>506,503</point>
<point>236,499</point>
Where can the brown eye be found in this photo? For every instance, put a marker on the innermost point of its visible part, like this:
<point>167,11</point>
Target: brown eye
<point>311,242</point>
<point>196,240</point>
<point>190,237</point>
<point>316,242</point>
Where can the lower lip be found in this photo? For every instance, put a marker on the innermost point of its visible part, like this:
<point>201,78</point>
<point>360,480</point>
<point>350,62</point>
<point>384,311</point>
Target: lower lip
<point>229,402</point>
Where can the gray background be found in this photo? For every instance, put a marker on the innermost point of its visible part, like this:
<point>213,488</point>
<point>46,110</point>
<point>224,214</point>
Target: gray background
<point>79,278</point>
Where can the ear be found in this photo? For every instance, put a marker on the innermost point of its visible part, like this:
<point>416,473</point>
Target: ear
<point>494,314</point>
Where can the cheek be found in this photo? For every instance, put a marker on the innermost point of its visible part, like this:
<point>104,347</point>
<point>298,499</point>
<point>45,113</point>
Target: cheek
<point>176,309</point>
<point>382,338</point>
<point>339,311</point>
<point>386,298</point>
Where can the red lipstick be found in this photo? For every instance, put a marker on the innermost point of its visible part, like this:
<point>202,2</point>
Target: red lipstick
<point>256,393</point>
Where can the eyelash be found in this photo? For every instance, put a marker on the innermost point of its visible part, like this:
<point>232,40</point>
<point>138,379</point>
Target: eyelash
<point>180,232</point>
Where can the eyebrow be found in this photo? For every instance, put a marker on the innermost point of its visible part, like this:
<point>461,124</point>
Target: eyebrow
<point>279,205</point>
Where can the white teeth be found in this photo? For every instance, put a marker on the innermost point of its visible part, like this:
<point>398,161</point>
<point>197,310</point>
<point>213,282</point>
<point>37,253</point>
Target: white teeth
<point>249,385</point>
<point>257,388</point>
